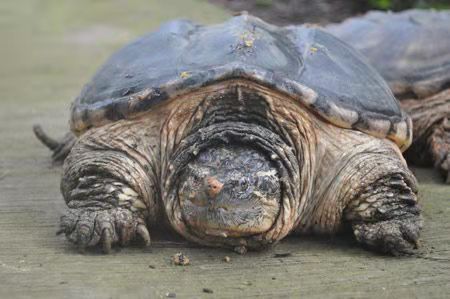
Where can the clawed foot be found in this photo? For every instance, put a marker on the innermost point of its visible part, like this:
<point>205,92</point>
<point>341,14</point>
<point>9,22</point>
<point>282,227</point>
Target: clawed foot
<point>394,236</point>
<point>59,148</point>
<point>87,228</point>
<point>439,143</point>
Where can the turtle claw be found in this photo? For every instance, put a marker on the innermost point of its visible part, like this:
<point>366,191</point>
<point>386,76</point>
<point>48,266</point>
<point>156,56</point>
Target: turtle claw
<point>142,231</point>
<point>125,235</point>
<point>104,228</point>
<point>106,241</point>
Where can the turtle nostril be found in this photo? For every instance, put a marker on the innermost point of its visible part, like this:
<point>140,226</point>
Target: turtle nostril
<point>213,187</point>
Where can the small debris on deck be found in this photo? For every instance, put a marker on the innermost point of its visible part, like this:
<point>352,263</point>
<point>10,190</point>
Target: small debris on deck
<point>240,249</point>
<point>206,290</point>
<point>283,254</point>
<point>180,259</point>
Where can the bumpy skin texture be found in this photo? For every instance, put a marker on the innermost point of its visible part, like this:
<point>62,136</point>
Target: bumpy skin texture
<point>125,175</point>
<point>431,118</point>
<point>109,187</point>
<point>236,135</point>
<point>411,51</point>
<point>386,216</point>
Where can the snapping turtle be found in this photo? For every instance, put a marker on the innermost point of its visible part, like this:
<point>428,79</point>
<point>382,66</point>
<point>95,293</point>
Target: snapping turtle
<point>411,50</point>
<point>237,135</point>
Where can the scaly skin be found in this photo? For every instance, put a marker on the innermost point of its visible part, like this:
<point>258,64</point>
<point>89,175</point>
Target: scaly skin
<point>121,178</point>
<point>386,216</point>
<point>431,123</point>
<point>109,186</point>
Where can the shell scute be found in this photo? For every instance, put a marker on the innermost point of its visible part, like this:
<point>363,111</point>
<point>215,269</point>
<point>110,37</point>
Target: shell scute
<point>410,49</point>
<point>306,63</point>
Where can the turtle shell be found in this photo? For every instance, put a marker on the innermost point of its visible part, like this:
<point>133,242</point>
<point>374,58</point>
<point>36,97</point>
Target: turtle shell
<point>411,49</point>
<point>305,63</point>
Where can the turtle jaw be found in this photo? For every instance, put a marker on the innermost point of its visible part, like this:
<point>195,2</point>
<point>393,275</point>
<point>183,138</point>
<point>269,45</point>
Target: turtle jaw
<point>230,191</point>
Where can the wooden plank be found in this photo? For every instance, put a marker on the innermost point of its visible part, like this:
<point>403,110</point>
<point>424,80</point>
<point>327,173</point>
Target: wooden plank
<point>49,49</point>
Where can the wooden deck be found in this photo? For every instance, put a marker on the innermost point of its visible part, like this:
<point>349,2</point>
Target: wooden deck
<point>49,49</point>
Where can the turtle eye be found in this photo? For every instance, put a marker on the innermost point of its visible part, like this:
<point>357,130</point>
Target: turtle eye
<point>195,177</point>
<point>226,163</point>
<point>243,184</point>
<point>204,157</point>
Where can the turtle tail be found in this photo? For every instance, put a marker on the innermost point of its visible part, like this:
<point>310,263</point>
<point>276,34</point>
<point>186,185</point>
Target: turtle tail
<point>60,148</point>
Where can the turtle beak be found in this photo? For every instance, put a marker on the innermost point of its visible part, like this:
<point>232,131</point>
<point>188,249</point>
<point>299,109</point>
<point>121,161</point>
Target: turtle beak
<point>213,187</point>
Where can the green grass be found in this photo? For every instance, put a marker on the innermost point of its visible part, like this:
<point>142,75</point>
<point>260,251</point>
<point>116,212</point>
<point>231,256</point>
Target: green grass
<point>400,5</point>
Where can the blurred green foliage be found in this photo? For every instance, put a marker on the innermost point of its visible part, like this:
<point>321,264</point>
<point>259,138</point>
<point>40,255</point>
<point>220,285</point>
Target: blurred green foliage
<point>263,3</point>
<point>381,4</point>
<point>405,4</point>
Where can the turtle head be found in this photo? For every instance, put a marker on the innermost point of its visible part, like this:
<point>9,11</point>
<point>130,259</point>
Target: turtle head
<point>233,176</point>
<point>230,191</point>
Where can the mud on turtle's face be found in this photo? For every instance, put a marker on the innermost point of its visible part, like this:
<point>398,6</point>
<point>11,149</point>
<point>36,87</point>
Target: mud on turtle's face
<point>230,191</point>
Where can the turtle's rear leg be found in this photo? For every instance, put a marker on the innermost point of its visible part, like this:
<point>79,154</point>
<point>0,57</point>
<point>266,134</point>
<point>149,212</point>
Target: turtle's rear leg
<point>60,148</point>
<point>431,122</point>
<point>439,144</point>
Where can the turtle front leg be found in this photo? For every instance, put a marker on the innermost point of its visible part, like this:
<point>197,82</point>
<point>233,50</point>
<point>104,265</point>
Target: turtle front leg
<point>384,213</point>
<point>363,183</point>
<point>103,211</point>
<point>108,187</point>
<point>385,216</point>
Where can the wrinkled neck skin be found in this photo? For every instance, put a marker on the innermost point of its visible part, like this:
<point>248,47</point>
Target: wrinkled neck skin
<point>248,120</point>
<point>309,169</point>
